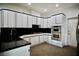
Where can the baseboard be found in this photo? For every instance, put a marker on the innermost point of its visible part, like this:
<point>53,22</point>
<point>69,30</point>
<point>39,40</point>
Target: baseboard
<point>72,46</point>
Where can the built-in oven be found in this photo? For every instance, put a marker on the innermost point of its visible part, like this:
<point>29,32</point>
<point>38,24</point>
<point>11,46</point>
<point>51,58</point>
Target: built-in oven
<point>56,28</point>
<point>56,36</point>
<point>56,32</point>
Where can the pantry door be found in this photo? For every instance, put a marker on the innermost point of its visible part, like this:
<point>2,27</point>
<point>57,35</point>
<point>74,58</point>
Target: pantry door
<point>72,24</point>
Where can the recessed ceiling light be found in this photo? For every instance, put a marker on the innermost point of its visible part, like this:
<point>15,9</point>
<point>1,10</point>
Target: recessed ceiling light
<point>57,5</point>
<point>29,3</point>
<point>45,10</point>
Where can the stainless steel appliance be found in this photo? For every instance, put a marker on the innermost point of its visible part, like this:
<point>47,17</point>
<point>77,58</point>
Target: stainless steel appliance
<point>56,33</point>
<point>77,36</point>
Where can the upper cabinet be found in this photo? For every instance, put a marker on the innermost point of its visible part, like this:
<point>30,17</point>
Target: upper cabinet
<point>53,20</point>
<point>24,20</point>
<point>8,18</point>
<point>42,23</point>
<point>49,23</point>
<point>38,21</point>
<point>59,19</point>
<point>29,21</point>
<point>11,19</point>
<point>56,20</point>
<point>14,19</point>
<point>34,20</point>
<point>45,22</point>
<point>19,20</point>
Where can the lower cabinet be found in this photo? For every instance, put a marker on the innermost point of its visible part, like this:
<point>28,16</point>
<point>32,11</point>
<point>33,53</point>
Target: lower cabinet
<point>21,51</point>
<point>41,39</point>
<point>38,39</point>
<point>34,40</point>
<point>49,39</point>
<point>45,37</point>
<point>56,43</point>
<point>27,39</point>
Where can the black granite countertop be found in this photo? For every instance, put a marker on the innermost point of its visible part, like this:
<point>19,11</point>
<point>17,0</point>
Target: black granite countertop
<point>5,46</point>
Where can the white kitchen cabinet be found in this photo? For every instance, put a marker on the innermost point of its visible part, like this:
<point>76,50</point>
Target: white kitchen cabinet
<point>41,39</point>
<point>42,23</point>
<point>4,18</point>
<point>19,20</point>
<point>45,23</point>
<point>34,20</point>
<point>45,37</point>
<point>24,20</point>
<point>27,39</point>
<point>59,19</point>
<point>38,21</point>
<point>11,19</point>
<point>49,23</point>
<point>49,39</point>
<point>8,18</point>
<point>29,21</point>
<point>53,21</point>
<point>34,40</point>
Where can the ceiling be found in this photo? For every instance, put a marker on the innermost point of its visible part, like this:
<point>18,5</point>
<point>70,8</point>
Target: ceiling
<point>51,7</point>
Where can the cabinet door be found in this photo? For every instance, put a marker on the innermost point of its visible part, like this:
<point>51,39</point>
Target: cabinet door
<point>29,21</point>
<point>8,18</point>
<point>49,39</point>
<point>19,20</point>
<point>59,19</point>
<point>27,39</point>
<point>34,20</point>
<point>24,21</point>
<point>49,23</point>
<point>42,23</point>
<point>4,18</point>
<point>45,23</point>
<point>11,19</point>
<point>38,21</point>
<point>34,40</point>
<point>41,39</point>
<point>53,21</point>
<point>45,37</point>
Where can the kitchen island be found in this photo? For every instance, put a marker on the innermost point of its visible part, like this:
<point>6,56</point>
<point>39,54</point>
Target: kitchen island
<point>15,48</point>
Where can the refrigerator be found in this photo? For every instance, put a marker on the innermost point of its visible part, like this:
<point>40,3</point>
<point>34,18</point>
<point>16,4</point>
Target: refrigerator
<point>77,36</point>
